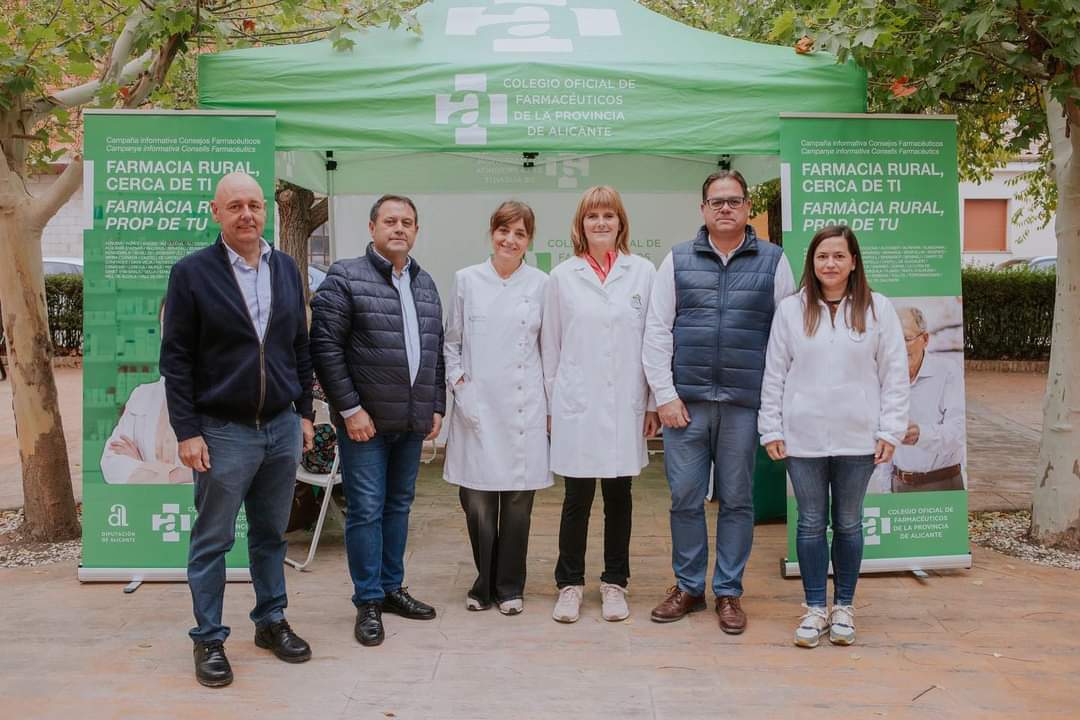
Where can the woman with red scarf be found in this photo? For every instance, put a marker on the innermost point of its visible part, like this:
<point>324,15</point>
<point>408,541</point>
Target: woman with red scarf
<point>599,405</point>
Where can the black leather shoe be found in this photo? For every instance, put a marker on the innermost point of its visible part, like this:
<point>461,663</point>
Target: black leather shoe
<point>280,638</point>
<point>369,628</point>
<point>212,668</point>
<point>400,602</point>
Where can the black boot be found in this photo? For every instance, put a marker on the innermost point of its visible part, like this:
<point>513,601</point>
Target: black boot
<point>212,668</point>
<point>369,628</point>
<point>400,602</point>
<point>280,638</point>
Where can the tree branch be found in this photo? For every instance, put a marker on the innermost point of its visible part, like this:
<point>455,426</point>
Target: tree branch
<point>320,213</point>
<point>82,94</point>
<point>58,193</point>
<point>122,47</point>
<point>151,80</point>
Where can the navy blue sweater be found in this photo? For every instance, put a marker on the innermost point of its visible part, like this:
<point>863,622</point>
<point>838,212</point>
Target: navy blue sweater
<point>211,357</point>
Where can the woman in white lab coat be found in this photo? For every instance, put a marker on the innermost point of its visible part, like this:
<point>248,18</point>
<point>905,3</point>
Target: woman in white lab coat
<point>497,447</point>
<point>142,448</point>
<point>601,409</point>
<point>834,403</point>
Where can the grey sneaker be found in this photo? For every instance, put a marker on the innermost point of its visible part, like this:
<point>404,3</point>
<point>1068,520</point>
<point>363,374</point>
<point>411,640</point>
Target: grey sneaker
<point>613,602</point>
<point>568,607</point>
<point>842,625</point>
<point>512,607</point>
<point>812,625</point>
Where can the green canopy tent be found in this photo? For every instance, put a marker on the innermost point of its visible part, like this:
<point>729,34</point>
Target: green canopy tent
<point>535,98</point>
<point>513,76</point>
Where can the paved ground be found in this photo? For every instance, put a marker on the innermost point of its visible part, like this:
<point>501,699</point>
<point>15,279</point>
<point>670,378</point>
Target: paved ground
<point>996,641</point>
<point>1004,420</point>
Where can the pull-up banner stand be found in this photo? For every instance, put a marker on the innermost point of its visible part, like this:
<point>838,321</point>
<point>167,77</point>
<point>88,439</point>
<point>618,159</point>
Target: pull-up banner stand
<point>893,180</point>
<point>149,179</point>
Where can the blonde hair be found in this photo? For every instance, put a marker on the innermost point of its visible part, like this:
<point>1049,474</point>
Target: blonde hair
<point>601,196</point>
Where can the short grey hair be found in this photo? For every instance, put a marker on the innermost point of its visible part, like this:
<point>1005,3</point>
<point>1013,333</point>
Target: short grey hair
<point>917,317</point>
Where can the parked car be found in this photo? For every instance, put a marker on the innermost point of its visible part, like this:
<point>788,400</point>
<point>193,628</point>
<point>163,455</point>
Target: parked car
<point>62,265</point>
<point>1043,262</point>
<point>1046,262</point>
<point>316,273</point>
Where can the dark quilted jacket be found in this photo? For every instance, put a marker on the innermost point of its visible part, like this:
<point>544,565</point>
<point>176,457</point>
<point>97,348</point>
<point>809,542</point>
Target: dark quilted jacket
<point>358,345</point>
<point>722,319</point>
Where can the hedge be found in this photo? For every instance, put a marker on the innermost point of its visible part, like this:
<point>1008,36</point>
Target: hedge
<point>1008,315</point>
<point>64,295</point>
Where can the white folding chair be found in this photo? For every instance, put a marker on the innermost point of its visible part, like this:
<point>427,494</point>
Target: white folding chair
<point>327,481</point>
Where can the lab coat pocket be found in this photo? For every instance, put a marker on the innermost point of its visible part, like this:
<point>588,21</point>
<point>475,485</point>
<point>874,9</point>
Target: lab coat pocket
<point>569,391</point>
<point>857,415</point>
<point>466,404</point>
<point>804,422</point>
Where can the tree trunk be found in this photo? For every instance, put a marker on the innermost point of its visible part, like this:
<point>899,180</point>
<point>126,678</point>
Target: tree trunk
<point>776,219</point>
<point>294,212</point>
<point>46,476</point>
<point>1055,516</point>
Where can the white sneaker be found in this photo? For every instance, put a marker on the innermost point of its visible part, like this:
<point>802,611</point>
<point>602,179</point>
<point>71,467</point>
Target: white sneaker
<point>613,601</point>
<point>568,607</point>
<point>475,605</point>
<point>812,625</point>
<point>842,625</point>
<point>512,607</point>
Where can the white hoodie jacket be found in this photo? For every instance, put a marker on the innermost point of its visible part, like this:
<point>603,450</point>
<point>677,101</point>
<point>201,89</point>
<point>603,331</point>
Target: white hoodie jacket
<point>839,391</point>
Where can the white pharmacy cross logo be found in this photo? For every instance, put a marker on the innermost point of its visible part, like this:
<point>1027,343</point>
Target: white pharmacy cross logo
<point>465,110</point>
<point>526,25</point>
<point>171,522</point>
<point>874,526</point>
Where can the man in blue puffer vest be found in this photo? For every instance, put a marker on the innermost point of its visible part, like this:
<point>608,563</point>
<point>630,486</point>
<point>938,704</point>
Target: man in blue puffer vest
<point>704,354</point>
<point>377,346</point>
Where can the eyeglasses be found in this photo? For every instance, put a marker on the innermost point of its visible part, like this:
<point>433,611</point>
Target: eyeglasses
<point>913,338</point>
<point>732,202</point>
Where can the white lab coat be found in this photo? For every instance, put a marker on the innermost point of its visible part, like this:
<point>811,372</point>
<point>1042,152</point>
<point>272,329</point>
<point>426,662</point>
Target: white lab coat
<point>498,425</point>
<point>591,345</point>
<point>145,421</point>
<point>838,392</point>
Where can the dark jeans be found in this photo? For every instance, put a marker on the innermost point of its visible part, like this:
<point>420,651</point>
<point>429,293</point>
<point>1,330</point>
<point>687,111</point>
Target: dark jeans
<point>256,468</point>
<point>845,478</point>
<point>718,446</point>
<point>574,530</point>
<point>498,523</point>
<point>379,477</point>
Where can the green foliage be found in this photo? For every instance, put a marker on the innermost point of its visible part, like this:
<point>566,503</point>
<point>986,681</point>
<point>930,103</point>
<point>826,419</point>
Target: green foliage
<point>50,45</point>
<point>1008,315</point>
<point>987,61</point>
<point>64,297</point>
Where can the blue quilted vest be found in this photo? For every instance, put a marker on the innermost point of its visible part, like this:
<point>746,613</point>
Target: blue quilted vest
<point>722,319</point>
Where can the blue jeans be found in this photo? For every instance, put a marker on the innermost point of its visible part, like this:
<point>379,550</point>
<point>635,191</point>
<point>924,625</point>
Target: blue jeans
<point>379,477</point>
<point>722,438</point>
<point>845,477</point>
<point>256,468</point>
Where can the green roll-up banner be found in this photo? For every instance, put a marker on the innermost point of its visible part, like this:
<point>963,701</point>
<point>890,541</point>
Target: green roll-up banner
<point>893,180</point>
<point>149,179</point>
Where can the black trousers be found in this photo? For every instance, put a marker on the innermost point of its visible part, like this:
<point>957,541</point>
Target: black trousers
<point>498,522</point>
<point>574,530</point>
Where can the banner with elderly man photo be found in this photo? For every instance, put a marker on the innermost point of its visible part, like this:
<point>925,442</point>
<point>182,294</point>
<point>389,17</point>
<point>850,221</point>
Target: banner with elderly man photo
<point>893,180</point>
<point>149,180</point>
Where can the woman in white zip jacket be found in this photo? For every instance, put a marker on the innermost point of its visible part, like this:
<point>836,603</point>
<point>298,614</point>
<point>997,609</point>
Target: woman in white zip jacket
<point>600,406</point>
<point>497,447</point>
<point>834,404</point>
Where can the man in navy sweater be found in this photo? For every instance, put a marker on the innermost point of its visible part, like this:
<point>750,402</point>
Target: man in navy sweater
<point>238,379</point>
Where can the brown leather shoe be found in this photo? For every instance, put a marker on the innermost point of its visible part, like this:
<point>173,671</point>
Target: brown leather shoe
<point>732,617</point>
<point>677,604</point>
